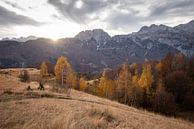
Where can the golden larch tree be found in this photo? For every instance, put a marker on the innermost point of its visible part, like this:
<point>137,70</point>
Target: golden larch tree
<point>135,78</point>
<point>64,66</point>
<point>71,79</point>
<point>146,78</point>
<point>82,84</point>
<point>123,81</point>
<point>134,74</point>
<point>43,70</point>
<point>106,86</point>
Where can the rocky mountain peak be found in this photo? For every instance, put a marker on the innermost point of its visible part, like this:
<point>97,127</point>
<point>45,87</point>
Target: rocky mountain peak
<point>188,28</point>
<point>153,28</point>
<point>98,34</point>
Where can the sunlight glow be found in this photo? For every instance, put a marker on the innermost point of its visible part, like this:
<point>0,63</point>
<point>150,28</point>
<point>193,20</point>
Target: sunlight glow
<point>79,4</point>
<point>54,30</point>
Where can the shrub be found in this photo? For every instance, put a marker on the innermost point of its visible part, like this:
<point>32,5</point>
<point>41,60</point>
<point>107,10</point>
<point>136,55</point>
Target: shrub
<point>28,88</point>
<point>8,91</point>
<point>24,76</point>
<point>106,113</point>
<point>41,86</point>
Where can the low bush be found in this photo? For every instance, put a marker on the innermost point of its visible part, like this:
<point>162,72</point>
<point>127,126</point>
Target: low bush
<point>24,76</point>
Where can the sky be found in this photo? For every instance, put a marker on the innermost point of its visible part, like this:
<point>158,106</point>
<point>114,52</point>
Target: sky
<point>65,18</point>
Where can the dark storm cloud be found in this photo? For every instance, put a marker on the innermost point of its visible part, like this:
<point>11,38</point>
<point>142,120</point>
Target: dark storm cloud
<point>172,8</point>
<point>11,18</point>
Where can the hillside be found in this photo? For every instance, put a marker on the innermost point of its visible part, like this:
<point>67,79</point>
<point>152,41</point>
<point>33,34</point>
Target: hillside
<point>22,109</point>
<point>94,50</point>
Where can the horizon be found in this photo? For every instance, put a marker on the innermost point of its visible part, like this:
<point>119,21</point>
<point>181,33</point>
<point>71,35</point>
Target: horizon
<point>112,35</point>
<point>57,19</point>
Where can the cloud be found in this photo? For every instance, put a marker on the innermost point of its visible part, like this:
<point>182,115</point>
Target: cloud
<point>125,16</point>
<point>13,5</point>
<point>79,10</point>
<point>172,8</point>
<point>121,14</point>
<point>8,18</point>
<point>124,21</point>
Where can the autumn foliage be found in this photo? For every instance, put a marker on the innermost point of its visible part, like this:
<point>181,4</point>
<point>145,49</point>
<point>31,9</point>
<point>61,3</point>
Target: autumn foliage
<point>165,86</point>
<point>62,64</point>
<point>63,69</point>
<point>106,86</point>
<point>82,84</point>
<point>43,70</point>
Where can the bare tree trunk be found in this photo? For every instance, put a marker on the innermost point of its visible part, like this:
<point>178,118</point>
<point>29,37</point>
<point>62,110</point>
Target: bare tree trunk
<point>106,92</point>
<point>126,85</point>
<point>126,92</point>
<point>62,74</point>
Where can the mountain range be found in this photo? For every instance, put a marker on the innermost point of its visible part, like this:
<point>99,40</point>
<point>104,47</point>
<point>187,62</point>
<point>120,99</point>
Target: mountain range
<point>94,50</point>
<point>20,39</point>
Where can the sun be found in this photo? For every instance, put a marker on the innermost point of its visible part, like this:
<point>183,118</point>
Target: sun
<point>53,37</point>
<point>79,4</point>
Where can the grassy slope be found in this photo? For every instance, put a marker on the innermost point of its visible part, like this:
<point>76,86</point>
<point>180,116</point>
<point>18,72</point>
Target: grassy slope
<point>22,109</point>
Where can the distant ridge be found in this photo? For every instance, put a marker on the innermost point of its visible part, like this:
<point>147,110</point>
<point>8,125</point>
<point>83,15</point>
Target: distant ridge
<point>94,50</point>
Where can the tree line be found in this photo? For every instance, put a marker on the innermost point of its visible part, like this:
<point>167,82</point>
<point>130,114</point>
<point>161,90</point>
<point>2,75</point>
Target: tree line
<point>165,86</point>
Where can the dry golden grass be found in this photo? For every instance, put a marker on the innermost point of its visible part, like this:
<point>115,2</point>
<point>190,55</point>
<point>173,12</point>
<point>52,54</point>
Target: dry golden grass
<point>21,109</point>
<point>16,71</point>
<point>54,113</point>
<point>9,79</point>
